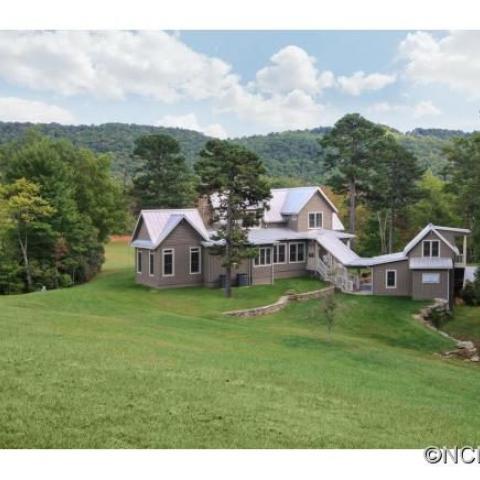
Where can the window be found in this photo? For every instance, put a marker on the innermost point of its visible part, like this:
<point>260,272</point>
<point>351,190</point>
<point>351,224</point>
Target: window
<point>297,252</point>
<point>431,248</point>
<point>195,260</point>
<point>151,263</point>
<point>139,261</point>
<point>315,220</point>
<point>429,278</point>
<point>391,279</point>
<point>264,257</point>
<point>168,262</point>
<point>280,253</point>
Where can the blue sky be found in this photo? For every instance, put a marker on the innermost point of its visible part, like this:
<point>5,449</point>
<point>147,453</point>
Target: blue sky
<point>233,83</point>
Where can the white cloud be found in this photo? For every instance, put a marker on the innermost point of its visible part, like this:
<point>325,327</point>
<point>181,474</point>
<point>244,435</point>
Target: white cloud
<point>190,122</point>
<point>360,82</point>
<point>452,60</point>
<point>425,108</point>
<point>295,110</point>
<point>13,109</point>
<point>291,69</point>
<point>111,64</point>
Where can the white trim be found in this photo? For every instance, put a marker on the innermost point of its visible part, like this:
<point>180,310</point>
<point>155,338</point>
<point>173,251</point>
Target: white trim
<point>386,278</point>
<point>258,257</point>
<point>164,251</point>
<point>285,256</point>
<point>151,254</point>
<point>315,220</point>
<point>199,261</point>
<point>430,241</point>
<point>304,252</point>
<point>139,263</point>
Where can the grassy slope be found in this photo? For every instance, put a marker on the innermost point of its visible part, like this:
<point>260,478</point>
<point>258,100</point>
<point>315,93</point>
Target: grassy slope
<point>112,364</point>
<point>465,324</point>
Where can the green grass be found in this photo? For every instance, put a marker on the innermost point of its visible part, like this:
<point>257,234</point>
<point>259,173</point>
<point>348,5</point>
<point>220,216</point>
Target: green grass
<point>465,323</point>
<point>113,364</point>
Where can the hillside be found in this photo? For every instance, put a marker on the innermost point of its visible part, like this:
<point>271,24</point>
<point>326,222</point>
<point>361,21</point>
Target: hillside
<point>112,364</point>
<point>290,153</point>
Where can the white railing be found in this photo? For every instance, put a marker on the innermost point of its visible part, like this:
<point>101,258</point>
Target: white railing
<point>460,259</point>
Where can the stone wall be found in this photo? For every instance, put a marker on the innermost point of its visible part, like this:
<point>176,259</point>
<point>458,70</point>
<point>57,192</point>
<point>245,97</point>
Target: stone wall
<point>281,303</point>
<point>432,315</point>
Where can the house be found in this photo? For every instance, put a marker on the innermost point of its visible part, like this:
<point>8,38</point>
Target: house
<point>300,234</point>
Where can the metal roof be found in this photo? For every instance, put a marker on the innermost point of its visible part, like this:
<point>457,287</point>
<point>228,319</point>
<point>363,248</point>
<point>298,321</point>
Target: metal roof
<point>435,229</point>
<point>160,223</point>
<point>428,263</point>
<point>289,201</point>
<point>378,260</point>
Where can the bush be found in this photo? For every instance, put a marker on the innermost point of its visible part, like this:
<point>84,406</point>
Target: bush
<point>471,294</point>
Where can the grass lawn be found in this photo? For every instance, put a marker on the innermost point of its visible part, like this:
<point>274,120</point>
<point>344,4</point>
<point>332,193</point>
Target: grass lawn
<point>113,364</point>
<point>465,324</point>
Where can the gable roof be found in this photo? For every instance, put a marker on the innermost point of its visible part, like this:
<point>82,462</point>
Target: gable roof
<point>435,229</point>
<point>160,223</point>
<point>296,198</point>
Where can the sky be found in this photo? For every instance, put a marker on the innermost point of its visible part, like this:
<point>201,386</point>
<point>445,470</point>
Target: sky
<point>236,83</point>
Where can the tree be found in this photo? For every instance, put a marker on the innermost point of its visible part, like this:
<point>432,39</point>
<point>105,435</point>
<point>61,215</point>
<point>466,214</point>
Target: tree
<point>329,312</point>
<point>351,149</point>
<point>87,201</point>
<point>236,175</point>
<point>464,181</point>
<point>395,188</point>
<point>26,212</point>
<point>436,205</point>
<point>162,179</point>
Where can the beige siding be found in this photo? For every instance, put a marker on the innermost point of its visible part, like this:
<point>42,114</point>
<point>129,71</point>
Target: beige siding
<point>316,204</point>
<point>214,268</point>
<point>403,279</point>
<point>142,233</point>
<point>180,239</point>
<point>445,251</point>
<point>144,278</point>
<point>422,291</point>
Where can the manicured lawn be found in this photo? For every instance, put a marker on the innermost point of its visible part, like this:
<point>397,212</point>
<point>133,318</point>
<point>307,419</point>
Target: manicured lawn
<point>113,364</point>
<point>465,323</point>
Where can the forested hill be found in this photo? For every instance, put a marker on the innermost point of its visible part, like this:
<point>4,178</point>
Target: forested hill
<point>291,153</point>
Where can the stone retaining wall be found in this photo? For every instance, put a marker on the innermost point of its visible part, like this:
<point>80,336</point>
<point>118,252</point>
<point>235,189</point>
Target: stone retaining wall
<point>465,349</point>
<point>281,303</point>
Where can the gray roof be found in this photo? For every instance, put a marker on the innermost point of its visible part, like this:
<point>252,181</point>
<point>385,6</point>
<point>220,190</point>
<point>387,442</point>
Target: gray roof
<point>160,223</point>
<point>436,229</point>
<point>427,263</point>
<point>290,201</point>
<point>378,260</point>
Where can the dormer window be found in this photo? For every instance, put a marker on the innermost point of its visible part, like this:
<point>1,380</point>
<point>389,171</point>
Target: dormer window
<point>315,220</point>
<point>431,248</point>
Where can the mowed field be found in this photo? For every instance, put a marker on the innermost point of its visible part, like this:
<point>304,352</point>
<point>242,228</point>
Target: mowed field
<point>112,364</point>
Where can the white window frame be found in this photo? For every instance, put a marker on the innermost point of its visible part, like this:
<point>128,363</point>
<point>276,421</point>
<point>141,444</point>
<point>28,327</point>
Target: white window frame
<point>139,263</point>
<point>258,258</point>
<point>150,263</point>
<point>386,278</point>
<point>275,249</point>
<point>431,274</point>
<point>166,251</point>
<point>315,220</point>
<point>431,249</point>
<point>199,261</point>
<point>296,256</point>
